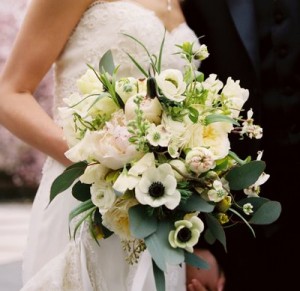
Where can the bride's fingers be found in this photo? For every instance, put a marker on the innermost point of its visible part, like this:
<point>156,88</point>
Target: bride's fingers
<point>196,285</point>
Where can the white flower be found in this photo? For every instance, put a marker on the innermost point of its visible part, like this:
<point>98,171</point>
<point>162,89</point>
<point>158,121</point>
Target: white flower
<point>93,173</point>
<point>171,84</point>
<point>248,208</point>
<point>89,83</point>
<point>116,218</point>
<point>235,96</point>
<point>150,107</point>
<point>186,233</point>
<point>157,187</point>
<point>129,179</point>
<point>126,88</point>
<point>158,135</point>
<point>199,160</point>
<point>217,193</point>
<point>252,130</point>
<point>202,53</point>
<point>254,189</point>
<point>103,196</point>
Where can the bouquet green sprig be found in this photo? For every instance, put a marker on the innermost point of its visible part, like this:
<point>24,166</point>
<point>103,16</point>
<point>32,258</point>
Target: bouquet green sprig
<point>152,159</point>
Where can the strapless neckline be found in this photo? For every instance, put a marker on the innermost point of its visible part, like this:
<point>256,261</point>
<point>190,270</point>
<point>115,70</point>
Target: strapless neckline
<point>138,6</point>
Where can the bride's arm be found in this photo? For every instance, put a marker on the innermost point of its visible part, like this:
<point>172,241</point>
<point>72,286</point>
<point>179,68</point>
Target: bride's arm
<point>44,32</point>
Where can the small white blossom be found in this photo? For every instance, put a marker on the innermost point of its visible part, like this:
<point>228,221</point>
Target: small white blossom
<point>218,193</point>
<point>103,196</point>
<point>202,53</point>
<point>248,208</point>
<point>158,135</point>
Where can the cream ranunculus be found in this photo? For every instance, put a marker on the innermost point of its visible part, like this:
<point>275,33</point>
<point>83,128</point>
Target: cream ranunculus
<point>116,218</point>
<point>157,187</point>
<point>102,195</point>
<point>199,160</point>
<point>89,83</point>
<point>151,108</point>
<point>186,233</point>
<point>171,84</point>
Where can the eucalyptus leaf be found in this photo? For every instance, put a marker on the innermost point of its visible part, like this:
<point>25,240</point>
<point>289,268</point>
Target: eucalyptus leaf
<point>141,224</point>
<point>81,191</point>
<point>159,277</point>
<point>216,229</point>
<point>161,250</point>
<point>209,237</point>
<point>241,177</point>
<point>196,261</point>
<point>267,213</point>
<point>106,63</point>
<point>219,118</point>
<point>196,203</point>
<point>66,179</point>
<point>255,201</point>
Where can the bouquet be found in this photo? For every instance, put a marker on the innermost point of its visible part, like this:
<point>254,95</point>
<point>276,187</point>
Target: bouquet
<point>152,159</point>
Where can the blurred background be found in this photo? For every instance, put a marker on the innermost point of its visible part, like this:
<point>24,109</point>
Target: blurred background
<point>20,165</point>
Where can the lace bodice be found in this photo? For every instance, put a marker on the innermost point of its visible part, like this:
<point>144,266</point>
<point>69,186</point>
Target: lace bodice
<point>101,28</point>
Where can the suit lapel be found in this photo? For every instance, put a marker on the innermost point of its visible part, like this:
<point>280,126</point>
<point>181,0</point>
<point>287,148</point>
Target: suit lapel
<point>243,15</point>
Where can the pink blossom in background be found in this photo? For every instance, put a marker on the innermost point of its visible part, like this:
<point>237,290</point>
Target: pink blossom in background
<point>16,158</point>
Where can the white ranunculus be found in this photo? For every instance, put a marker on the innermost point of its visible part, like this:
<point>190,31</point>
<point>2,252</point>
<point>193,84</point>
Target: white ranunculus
<point>151,108</point>
<point>171,84</point>
<point>89,83</point>
<point>93,173</point>
<point>157,187</point>
<point>103,196</point>
<point>202,53</point>
<point>199,160</point>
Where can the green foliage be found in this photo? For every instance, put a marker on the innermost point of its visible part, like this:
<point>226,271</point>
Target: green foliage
<point>106,63</point>
<point>66,179</point>
<point>266,213</point>
<point>196,203</point>
<point>196,261</point>
<point>159,277</point>
<point>81,191</point>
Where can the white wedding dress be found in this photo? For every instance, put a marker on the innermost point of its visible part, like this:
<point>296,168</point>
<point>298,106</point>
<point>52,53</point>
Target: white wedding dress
<point>52,260</point>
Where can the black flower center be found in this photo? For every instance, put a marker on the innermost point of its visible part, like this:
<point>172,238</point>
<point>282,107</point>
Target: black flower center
<point>156,190</point>
<point>184,235</point>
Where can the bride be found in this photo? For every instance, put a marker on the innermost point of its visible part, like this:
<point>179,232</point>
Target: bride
<point>70,36</point>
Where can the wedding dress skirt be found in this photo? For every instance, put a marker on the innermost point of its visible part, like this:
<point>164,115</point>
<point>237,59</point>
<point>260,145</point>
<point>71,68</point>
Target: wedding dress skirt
<point>52,260</point>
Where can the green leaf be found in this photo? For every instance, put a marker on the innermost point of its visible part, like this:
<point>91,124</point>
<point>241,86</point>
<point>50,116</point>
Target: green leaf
<point>81,191</point>
<point>138,65</point>
<point>216,229</point>
<point>196,261</point>
<point>82,219</point>
<point>82,207</point>
<point>267,213</point>
<point>106,63</point>
<point>219,118</point>
<point>66,179</point>
<point>160,249</point>
<point>141,224</point>
<point>196,203</point>
<point>159,278</point>
<point>255,201</point>
<point>160,54</point>
<point>246,175</point>
<point>209,237</point>
<point>193,114</point>
<point>236,158</point>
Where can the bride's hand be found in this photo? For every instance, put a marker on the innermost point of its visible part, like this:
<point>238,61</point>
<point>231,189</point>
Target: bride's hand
<point>212,279</point>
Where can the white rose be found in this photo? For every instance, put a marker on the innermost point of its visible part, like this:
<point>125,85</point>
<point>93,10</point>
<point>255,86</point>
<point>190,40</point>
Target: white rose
<point>151,108</point>
<point>89,83</point>
<point>171,84</point>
